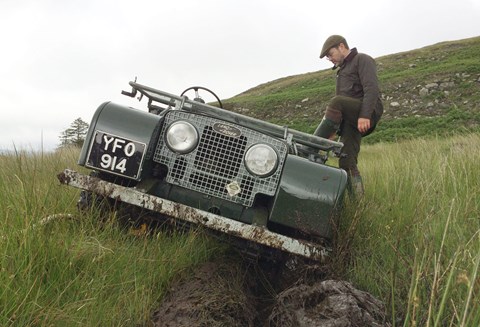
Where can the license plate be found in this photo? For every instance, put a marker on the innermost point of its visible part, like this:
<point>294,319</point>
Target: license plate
<point>116,155</point>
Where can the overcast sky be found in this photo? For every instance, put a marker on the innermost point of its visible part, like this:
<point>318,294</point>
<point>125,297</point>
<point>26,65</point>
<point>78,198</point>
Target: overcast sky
<point>60,59</point>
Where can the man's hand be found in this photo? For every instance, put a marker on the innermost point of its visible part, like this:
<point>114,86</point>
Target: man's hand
<point>363,125</point>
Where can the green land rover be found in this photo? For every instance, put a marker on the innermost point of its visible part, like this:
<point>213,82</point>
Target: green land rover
<point>199,164</point>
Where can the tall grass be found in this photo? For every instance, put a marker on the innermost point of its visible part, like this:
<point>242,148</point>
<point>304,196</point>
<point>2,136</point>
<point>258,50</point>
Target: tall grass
<point>413,241</point>
<point>416,241</point>
<point>74,271</point>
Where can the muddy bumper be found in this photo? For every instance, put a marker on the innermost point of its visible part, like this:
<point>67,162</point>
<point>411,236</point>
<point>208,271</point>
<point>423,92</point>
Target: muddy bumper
<point>189,214</point>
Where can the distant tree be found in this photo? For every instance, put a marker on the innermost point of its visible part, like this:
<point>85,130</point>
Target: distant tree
<point>64,138</point>
<point>75,134</point>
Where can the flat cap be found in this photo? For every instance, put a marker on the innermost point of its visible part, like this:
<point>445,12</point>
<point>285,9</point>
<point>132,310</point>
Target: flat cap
<point>331,42</point>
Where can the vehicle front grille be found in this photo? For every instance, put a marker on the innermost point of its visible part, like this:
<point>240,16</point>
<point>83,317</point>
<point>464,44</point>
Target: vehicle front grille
<point>219,154</point>
<point>217,160</point>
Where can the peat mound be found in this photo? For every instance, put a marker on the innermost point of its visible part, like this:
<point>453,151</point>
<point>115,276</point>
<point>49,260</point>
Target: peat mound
<point>328,303</point>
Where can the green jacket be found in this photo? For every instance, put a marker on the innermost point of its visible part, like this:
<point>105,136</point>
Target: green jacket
<point>357,78</point>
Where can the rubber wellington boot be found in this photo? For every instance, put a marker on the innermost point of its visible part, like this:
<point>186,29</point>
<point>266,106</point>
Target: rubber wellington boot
<point>327,128</point>
<point>355,187</point>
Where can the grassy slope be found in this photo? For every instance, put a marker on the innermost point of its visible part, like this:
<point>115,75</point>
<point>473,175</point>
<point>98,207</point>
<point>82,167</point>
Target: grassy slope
<point>454,105</point>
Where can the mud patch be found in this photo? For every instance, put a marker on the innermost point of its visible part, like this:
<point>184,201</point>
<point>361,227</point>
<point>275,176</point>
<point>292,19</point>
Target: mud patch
<point>237,293</point>
<point>218,294</point>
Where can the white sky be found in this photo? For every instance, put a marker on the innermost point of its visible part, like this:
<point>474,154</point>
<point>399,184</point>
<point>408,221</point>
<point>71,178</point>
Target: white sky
<point>60,59</point>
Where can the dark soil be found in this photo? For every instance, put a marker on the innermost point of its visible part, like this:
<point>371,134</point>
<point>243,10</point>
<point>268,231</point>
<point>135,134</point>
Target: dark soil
<point>237,292</point>
<point>218,294</point>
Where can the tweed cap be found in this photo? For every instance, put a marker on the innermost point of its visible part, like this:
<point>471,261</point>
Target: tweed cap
<point>331,42</point>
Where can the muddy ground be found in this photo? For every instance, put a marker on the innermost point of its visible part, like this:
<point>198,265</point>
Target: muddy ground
<point>239,292</point>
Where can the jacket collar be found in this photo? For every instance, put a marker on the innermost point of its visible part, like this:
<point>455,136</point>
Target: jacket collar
<point>353,52</point>
<point>350,56</point>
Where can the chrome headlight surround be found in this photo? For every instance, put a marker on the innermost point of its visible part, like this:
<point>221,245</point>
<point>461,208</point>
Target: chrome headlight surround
<point>261,160</point>
<point>181,137</point>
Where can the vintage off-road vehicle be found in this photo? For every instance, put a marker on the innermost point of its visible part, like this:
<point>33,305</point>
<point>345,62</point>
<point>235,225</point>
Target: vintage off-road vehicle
<point>256,182</point>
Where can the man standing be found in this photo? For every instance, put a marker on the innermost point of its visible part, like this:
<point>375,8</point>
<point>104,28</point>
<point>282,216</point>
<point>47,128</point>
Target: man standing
<point>356,108</point>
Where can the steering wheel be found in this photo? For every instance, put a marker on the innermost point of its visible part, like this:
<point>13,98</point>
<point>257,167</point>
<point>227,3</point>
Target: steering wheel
<point>197,96</point>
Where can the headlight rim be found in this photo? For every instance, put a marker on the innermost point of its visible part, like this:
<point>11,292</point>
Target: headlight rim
<point>272,170</point>
<point>179,150</point>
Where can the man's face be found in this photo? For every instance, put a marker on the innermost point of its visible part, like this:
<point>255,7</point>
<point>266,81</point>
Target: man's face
<point>335,55</point>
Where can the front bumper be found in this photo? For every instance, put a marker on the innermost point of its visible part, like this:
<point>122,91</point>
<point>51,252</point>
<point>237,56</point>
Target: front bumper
<point>257,234</point>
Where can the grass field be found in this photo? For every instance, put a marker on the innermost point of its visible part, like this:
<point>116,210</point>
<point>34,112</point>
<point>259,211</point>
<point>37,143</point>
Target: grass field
<point>413,241</point>
<point>77,272</point>
<point>415,238</point>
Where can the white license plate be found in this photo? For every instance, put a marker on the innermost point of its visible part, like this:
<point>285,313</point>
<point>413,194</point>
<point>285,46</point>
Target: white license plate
<point>116,155</point>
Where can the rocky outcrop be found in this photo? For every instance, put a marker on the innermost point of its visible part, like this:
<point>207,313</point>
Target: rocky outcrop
<point>432,97</point>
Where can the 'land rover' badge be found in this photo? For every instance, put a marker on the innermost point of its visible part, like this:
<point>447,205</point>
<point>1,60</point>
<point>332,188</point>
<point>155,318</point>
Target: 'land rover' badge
<point>227,130</point>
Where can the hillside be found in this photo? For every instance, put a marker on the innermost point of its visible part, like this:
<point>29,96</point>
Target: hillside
<point>431,90</point>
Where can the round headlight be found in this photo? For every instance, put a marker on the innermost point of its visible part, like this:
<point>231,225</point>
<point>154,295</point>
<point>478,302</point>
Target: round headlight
<point>181,137</point>
<point>261,160</point>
